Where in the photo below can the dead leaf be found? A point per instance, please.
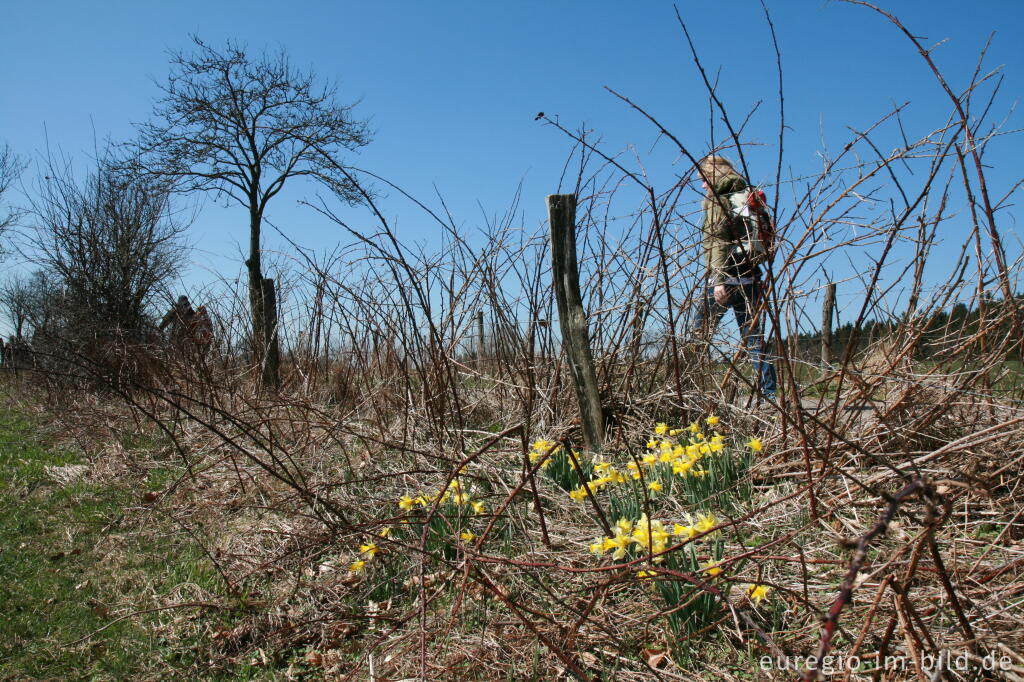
(314, 658)
(656, 657)
(150, 497)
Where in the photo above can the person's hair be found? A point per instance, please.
(715, 168)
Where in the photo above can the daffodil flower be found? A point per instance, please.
(685, 531)
(655, 486)
(712, 568)
(705, 522)
(357, 566)
(757, 593)
(712, 420)
(755, 444)
(467, 536)
(405, 503)
(661, 428)
(368, 550)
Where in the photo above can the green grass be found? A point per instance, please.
(48, 534)
(69, 569)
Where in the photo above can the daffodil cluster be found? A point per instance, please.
(456, 492)
(368, 551)
(543, 447)
(650, 536)
(681, 454)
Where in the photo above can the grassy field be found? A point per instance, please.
(83, 555)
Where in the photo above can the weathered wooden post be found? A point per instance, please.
(565, 277)
(271, 374)
(479, 339)
(826, 323)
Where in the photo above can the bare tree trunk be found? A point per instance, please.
(263, 301)
(566, 280)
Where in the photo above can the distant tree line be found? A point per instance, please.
(941, 333)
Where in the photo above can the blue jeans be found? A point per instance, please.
(745, 300)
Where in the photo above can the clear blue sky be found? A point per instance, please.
(451, 88)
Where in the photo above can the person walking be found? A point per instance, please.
(733, 279)
(179, 318)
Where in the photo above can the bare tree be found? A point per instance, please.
(20, 297)
(11, 167)
(242, 126)
(110, 243)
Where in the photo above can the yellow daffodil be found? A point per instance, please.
(651, 535)
(579, 494)
(651, 444)
(479, 507)
(757, 593)
(655, 486)
(405, 503)
(385, 532)
(542, 446)
(683, 531)
(467, 536)
(368, 550)
(712, 568)
(675, 432)
(645, 574)
(712, 420)
(661, 428)
(681, 467)
(598, 547)
(693, 427)
(357, 566)
(755, 444)
(619, 543)
(705, 522)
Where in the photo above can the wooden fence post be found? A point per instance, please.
(479, 339)
(565, 277)
(271, 374)
(826, 323)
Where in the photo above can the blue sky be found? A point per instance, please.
(451, 88)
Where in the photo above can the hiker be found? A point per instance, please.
(201, 329)
(733, 276)
(179, 318)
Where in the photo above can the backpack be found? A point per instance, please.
(755, 243)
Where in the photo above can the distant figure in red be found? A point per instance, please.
(201, 329)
